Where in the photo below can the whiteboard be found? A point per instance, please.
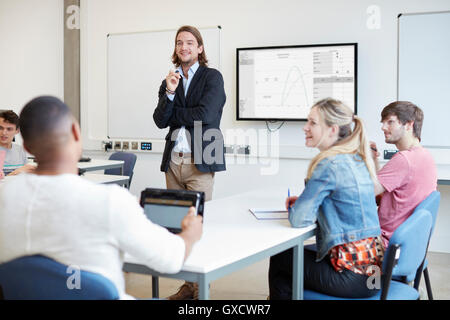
(424, 71)
(137, 64)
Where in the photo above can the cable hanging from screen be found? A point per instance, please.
(271, 129)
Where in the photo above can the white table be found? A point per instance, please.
(233, 239)
(443, 173)
(107, 178)
(94, 177)
(98, 164)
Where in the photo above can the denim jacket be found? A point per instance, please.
(340, 196)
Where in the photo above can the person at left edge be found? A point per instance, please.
(16, 157)
(191, 98)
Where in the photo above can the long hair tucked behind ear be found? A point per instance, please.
(334, 112)
(202, 60)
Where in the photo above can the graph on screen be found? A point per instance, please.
(282, 83)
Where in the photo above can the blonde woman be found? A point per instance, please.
(339, 196)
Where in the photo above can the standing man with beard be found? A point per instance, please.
(191, 100)
(410, 176)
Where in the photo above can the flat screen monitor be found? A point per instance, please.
(283, 83)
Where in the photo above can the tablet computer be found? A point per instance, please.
(168, 207)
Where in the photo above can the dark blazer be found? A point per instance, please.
(204, 102)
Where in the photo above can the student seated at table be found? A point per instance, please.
(56, 213)
(16, 157)
(339, 196)
(411, 175)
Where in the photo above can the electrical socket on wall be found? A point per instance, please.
(243, 150)
(145, 146)
(237, 149)
(388, 154)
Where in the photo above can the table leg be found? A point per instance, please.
(155, 287)
(297, 272)
(203, 288)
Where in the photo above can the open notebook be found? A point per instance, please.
(269, 213)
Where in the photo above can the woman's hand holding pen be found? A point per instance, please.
(290, 202)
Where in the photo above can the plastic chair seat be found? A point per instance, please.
(405, 254)
(41, 278)
(397, 291)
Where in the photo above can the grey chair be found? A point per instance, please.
(128, 166)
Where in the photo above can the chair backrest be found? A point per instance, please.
(41, 278)
(411, 237)
(431, 203)
(128, 166)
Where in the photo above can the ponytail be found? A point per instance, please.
(349, 141)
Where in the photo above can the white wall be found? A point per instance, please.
(247, 24)
(31, 51)
(440, 241)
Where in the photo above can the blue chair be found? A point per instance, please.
(41, 278)
(431, 203)
(128, 166)
(405, 254)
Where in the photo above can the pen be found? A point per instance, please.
(289, 195)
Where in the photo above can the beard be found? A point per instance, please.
(393, 138)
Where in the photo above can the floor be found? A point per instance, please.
(251, 283)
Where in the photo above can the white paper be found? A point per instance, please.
(269, 213)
